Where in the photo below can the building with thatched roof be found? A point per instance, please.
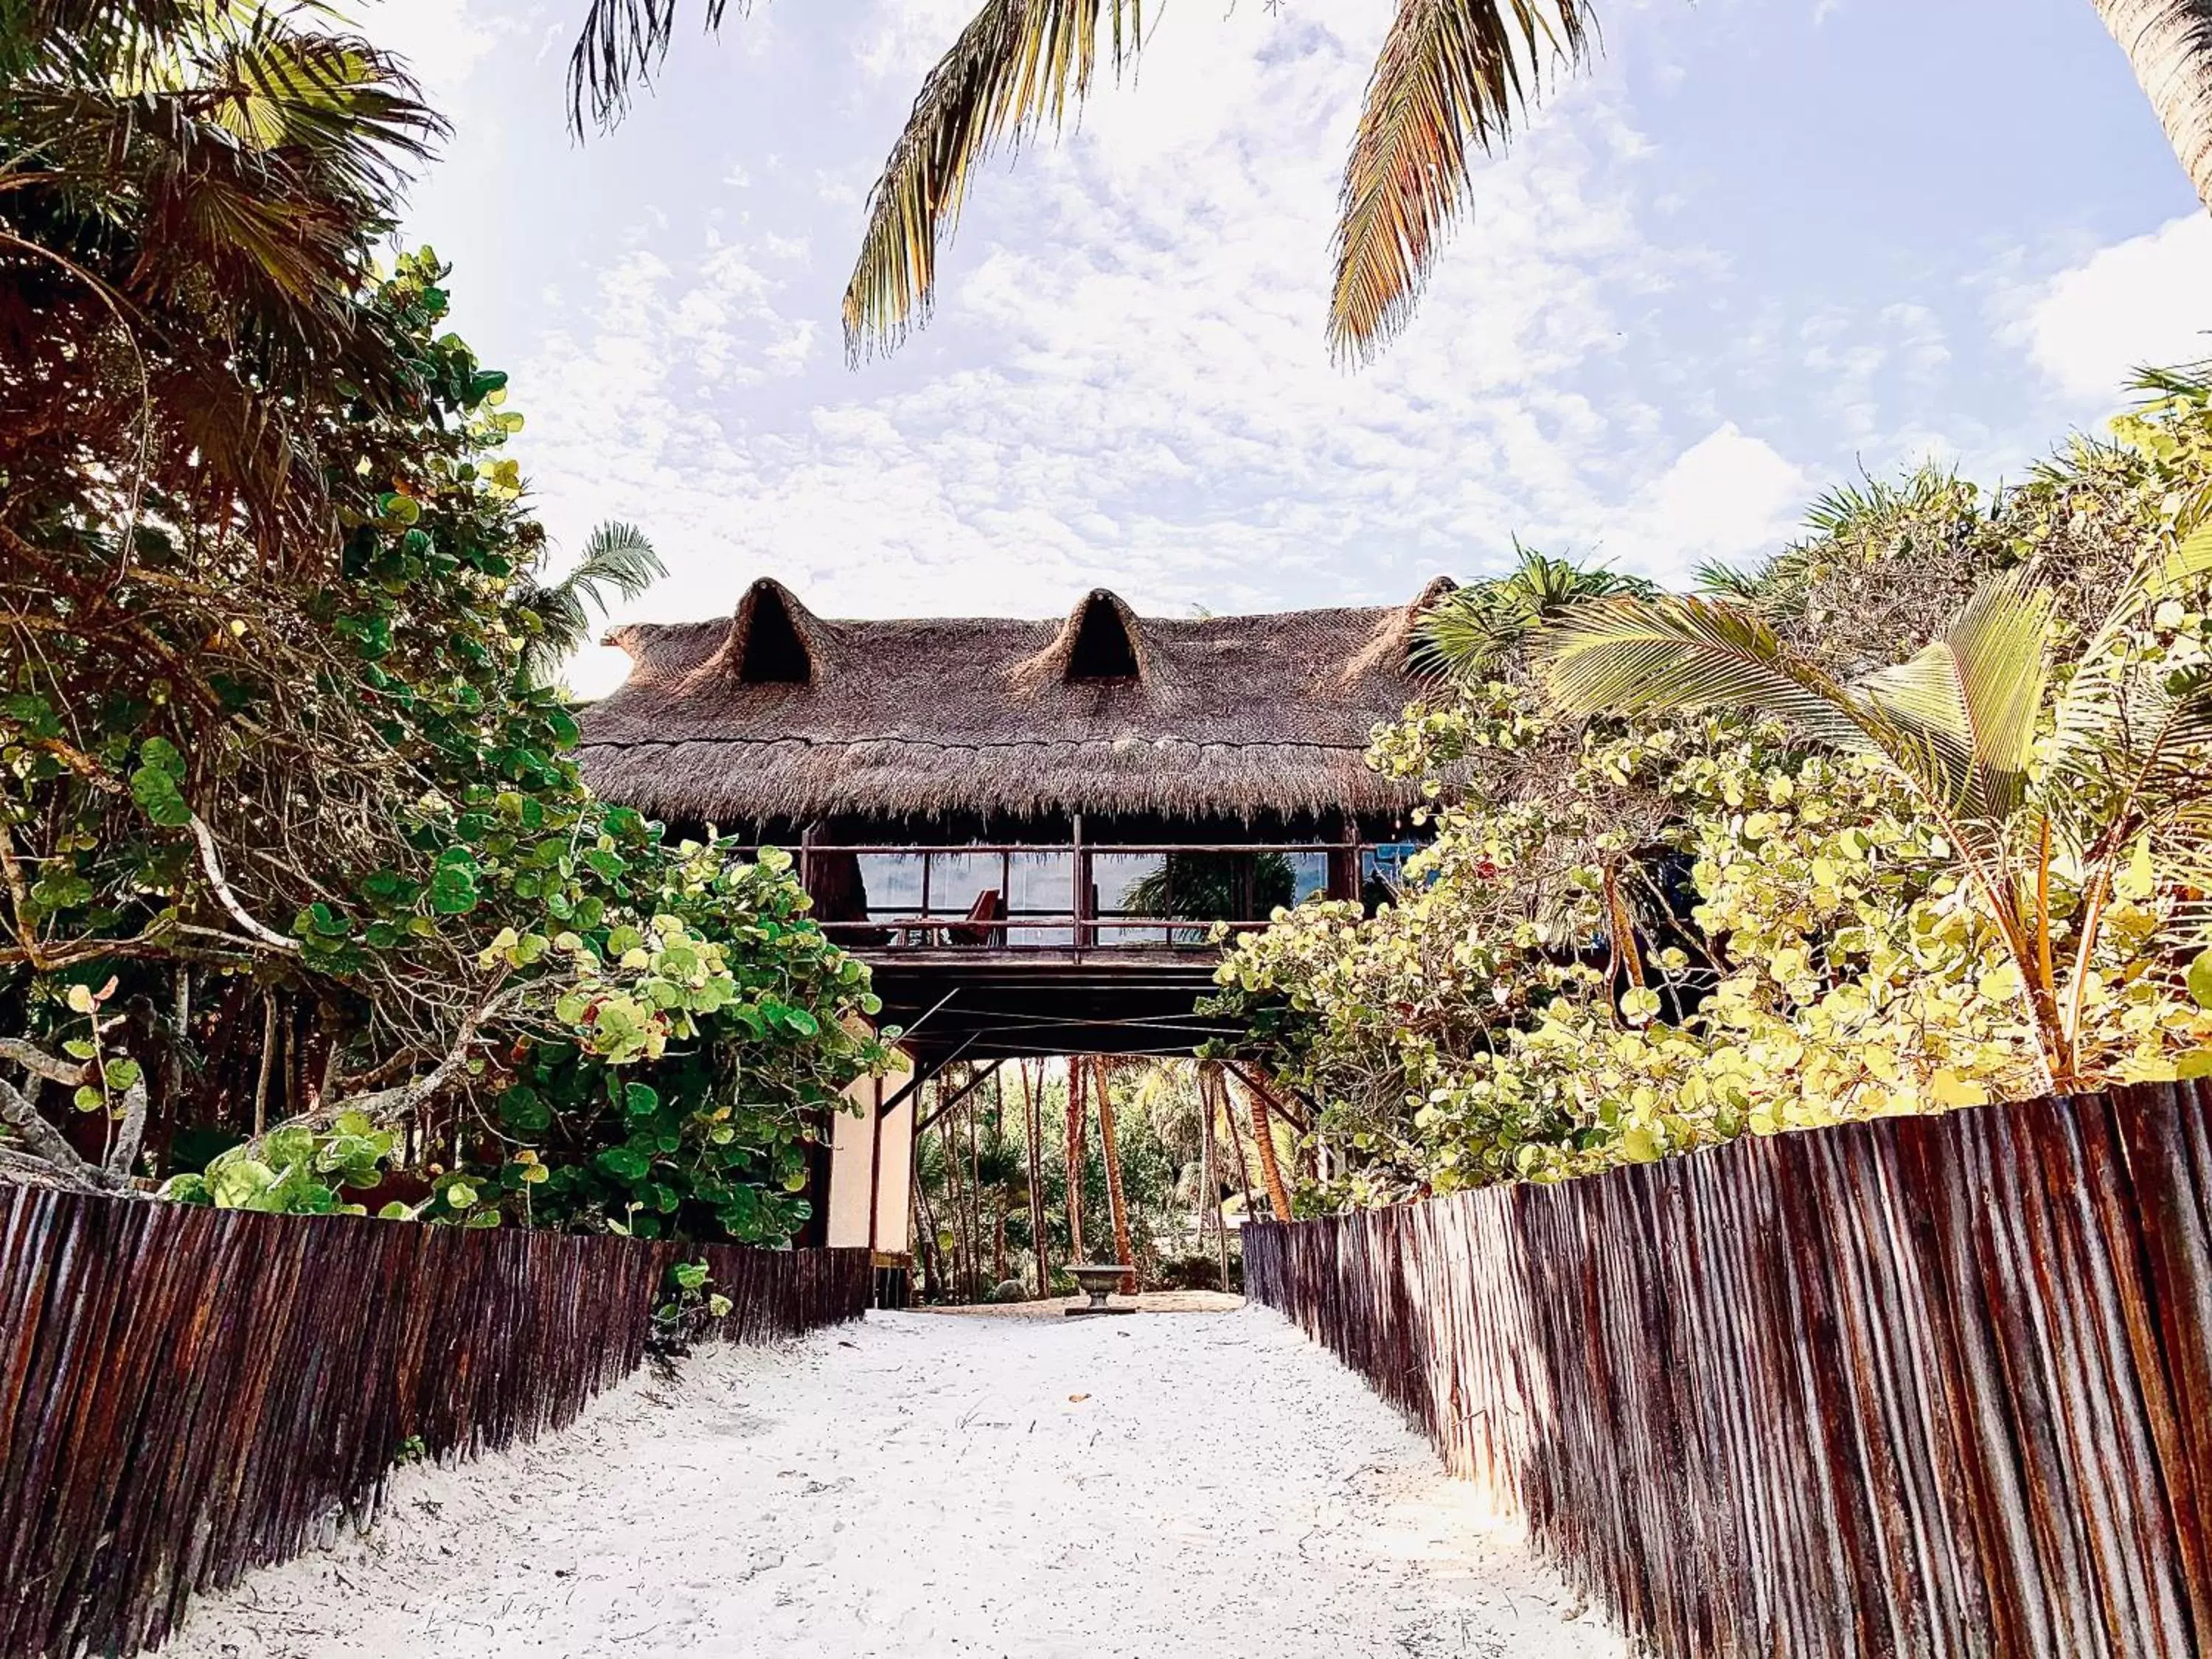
(1029, 830)
(776, 719)
(1040, 821)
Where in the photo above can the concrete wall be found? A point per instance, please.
(872, 1153)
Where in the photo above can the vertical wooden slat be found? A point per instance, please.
(186, 1394)
(1934, 1387)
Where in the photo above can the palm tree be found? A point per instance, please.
(1468, 634)
(616, 557)
(190, 197)
(1453, 78)
(1117, 1203)
(2168, 44)
(2125, 772)
(1033, 1137)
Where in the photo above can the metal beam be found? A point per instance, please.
(923, 1070)
(958, 1094)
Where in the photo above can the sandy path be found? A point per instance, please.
(922, 1485)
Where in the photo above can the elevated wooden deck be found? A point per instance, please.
(994, 950)
(1004, 1004)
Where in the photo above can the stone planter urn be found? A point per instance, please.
(1096, 1278)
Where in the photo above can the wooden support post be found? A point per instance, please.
(1080, 899)
(1344, 861)
(1124, 1252)
(875, 1161)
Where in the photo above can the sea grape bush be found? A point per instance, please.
(1806, 949)
(245, 772)
(296, 1171)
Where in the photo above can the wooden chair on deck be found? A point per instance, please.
(988, 907)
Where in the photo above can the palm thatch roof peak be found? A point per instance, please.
(777, 713)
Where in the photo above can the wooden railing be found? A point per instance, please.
(1047, 895)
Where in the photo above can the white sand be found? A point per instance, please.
(923, 1486)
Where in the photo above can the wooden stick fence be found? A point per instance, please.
(188, 1393)
(1925, 1386)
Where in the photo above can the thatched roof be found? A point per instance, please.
(777, 713)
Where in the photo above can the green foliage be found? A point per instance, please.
(1638, 935)
(1465, 635)
(687, 1309)
(292, 1172)
(617, 558)
(698, 1053)
(400, 838)
(193, 190)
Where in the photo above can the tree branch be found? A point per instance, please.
(46, 1144)
(383, 1103)
(22, 1169)
(212, 863)
(122, 1157)
(34, 1058)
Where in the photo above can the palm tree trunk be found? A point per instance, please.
(1033, 1127)
(1236, 1144)
(1209, 1169)
(1262, 1131)
(999, 1239)
(932, 1273)
(2168, 44)
(1074, 1145)
(954, 1215)
(974, 1204)
(1123, 1252)
(1000, 1189)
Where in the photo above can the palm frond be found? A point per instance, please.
(1452, 78)
(1469, 632)
(617, 555)
(216, 176)
(1626, 656)
(1972, 697)
(617, 558)
(2177, 380)
(2093, 715)
(1017, 65)
(1631, 655)
(1874, 504)
(1725, 581)
(618, 51)
(88, 37)
(2130, 739)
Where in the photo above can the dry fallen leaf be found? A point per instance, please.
(1076, 1399)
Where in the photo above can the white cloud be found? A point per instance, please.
(1729, 496)
(442, 41)
(2144, 301)
(1126, 381)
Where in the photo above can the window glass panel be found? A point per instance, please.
(1309, 876)
(1130, 885)
(893, 883)
(957, 879)
(1387, 864)
(1043, 886)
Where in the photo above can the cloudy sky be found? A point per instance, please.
(1765, 245)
